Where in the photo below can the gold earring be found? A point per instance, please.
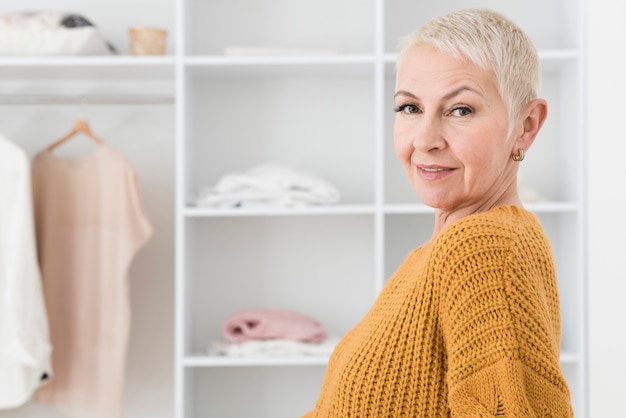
(519, 157)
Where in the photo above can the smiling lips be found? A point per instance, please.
(433, 172)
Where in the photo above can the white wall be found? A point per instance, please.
(607, 200)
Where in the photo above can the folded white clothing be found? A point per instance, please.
(50, 33)
(269, 185)
(271, 348)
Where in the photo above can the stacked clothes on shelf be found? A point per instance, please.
(268, 185)
(272, 332)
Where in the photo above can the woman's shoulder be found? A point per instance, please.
(500, 226)
(500, 218)
(486, 241)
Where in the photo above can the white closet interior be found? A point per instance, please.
(204, 110)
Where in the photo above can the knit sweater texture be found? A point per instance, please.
(468, 326)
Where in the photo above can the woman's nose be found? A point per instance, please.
(428, 135)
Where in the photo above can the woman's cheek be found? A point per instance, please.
(401, 136)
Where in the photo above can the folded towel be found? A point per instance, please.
(268, 185)
(265, 324)
(271, 348)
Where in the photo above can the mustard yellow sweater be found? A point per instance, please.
(468, 326)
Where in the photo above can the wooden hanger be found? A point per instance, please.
(80, 126)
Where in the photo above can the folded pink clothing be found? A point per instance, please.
(265, 324)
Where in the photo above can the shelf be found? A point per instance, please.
(280, 65)
(209, 361)
(88, 67)
(127, 66)
(544, 207)
(570, 358)
(552, 60)
(305, 211)
(85, 99)
(327, 25)
(406, 209)
(213, 361)
(279, 59)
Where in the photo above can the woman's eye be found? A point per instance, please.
(407, 109)
(461, 111)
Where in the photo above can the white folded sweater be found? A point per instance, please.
(269, 185)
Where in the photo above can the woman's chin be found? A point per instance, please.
(434, 201)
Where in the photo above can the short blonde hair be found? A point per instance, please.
(490, 41)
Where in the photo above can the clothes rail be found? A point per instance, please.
(89, 99)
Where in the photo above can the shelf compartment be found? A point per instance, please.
(112, 19)
(403, 233)
(556, 27)
(308, 264)
(260, 391)
(212, 27)
(234, 124)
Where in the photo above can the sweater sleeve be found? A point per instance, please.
(501, 343)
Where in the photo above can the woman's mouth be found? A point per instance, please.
(433, 172)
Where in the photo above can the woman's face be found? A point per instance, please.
(451, 131)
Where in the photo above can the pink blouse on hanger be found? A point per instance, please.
(90, 222)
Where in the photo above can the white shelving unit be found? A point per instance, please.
(331, 114)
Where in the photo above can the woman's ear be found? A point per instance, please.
(534, 115)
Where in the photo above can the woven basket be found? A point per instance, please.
(147, 41)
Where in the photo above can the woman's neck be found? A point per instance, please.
(444, 219)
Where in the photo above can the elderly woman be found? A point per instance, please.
(469, 325)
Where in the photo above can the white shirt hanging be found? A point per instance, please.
(24, 340)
